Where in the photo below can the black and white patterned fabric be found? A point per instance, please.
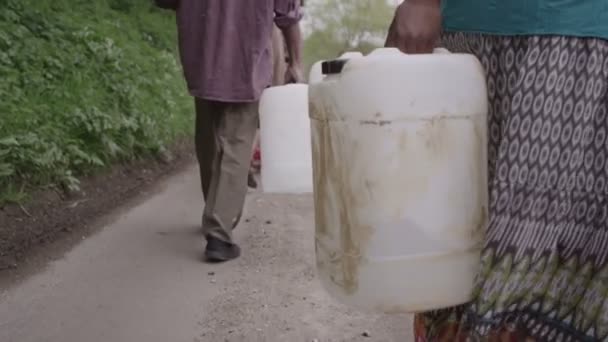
(544, 270)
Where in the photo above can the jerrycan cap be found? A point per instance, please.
(333, 67)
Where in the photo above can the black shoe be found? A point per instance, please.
(251, 182)
(221, 251)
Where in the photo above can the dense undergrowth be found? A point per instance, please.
(84, 84)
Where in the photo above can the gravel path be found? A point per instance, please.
(141, 279)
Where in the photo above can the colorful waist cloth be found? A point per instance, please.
(544, 273)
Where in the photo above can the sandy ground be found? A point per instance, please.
(141, 278)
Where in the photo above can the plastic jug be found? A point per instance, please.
(316, 73)
(285, 140)
(400, 179)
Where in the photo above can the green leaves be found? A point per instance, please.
(8, 142)
(85, 84)
(6, 170)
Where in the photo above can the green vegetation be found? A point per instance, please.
(338, 26)
(89, 83)
(85, 83)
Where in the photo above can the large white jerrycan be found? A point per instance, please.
(316, 72)
(285, 140)
(400, 179)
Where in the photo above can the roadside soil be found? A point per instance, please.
(53, 221)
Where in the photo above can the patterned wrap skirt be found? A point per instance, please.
(544, 270)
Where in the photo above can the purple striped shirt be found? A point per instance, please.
(225, 45)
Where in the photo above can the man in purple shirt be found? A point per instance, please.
(226, 54)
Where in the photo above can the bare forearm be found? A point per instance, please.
(293, 40)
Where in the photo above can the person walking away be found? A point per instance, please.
(225, 50)
(544, 267)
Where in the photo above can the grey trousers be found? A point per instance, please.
(224, 138)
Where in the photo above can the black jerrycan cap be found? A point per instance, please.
(334, 66)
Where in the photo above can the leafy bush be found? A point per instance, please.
(85, 83)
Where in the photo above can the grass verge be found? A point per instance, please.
(85, 84)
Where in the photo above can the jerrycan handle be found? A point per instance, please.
(335, 66)
(441, 50)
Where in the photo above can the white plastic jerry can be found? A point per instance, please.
(285, 140)
(400, 178)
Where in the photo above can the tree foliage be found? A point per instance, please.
(338, 26)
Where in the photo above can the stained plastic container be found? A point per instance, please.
(400, 178)
(285, 140)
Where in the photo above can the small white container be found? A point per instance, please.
(285, 140)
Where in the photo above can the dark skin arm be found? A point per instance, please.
(293, 40)
(416, 27)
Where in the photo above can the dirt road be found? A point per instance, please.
(141, 279)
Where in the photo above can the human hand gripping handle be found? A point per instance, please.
(416, 27)
(293, 40)
(294, 74)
